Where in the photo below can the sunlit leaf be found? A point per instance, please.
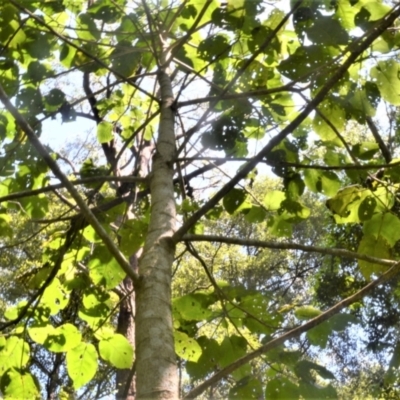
(82, 364)
(117, 351)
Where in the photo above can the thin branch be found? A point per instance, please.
(295, 332)
(288, 246)
(232, 96)
(382, 146)
(295, 165)
(51, 188)
(85, 209)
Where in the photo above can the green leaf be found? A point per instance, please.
(232, 348)
(326, 182)
(303, 60)
(125, 59)
(104, 132)
(39, 44)
(63, 338)
(394, 172)
(214, 46)
(374, 247)
(193, 306)
(387, 76)
(30, 101)
(15, 354)
(133, 234)
(303, 371)
(105, 10)
(104, 269)
(361, 105)
(327, 32)
(39, 332)
(82, 364)
(307, 312)
(345, 205)
(261, 319)
(117, 351)
(367, 208)
(16, 384)
(293, 211)
(256, 214)
(208, 360)
(280, 227)
(333, 120)
(386, 225)
(365, 150)
(281, 389)
(5, 225)
(312, 391)
(55, 297)
(235, 201)
(273, 199)
(186, 347)
(247, 388)
(294, 186)
(87, 28)
(319, 335)
(67, 55)
(376, 10)
(9, 77)
(55, 97)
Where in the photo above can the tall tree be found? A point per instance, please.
(179, 93)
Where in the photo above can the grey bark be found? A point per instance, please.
(157, 376)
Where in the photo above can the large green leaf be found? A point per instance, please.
(281, 389)
(82, 364)
(235, 201)
(247, 388)
(55, 297)
(273, 200)
(193, 306)
(208, 360)
(387, 76)
(63, 338)
(327, 31)
(306, 312)
(104, 269)
(186, 347)
(326, 182)
(16, 384)
(386, 225)
(319, 335)
(104, 132)
(375, 247)
(345, 205)
(117, 351)
(15, 354)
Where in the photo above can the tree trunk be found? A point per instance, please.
(155, 355)
(125, 380)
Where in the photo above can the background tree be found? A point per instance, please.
(188, 101)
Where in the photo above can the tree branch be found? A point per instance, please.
(86, 211)
(295, 332)
(51, 188)
(288, 246)
(320, 96)
(382, 146)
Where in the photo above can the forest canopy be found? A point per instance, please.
(199, 199)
